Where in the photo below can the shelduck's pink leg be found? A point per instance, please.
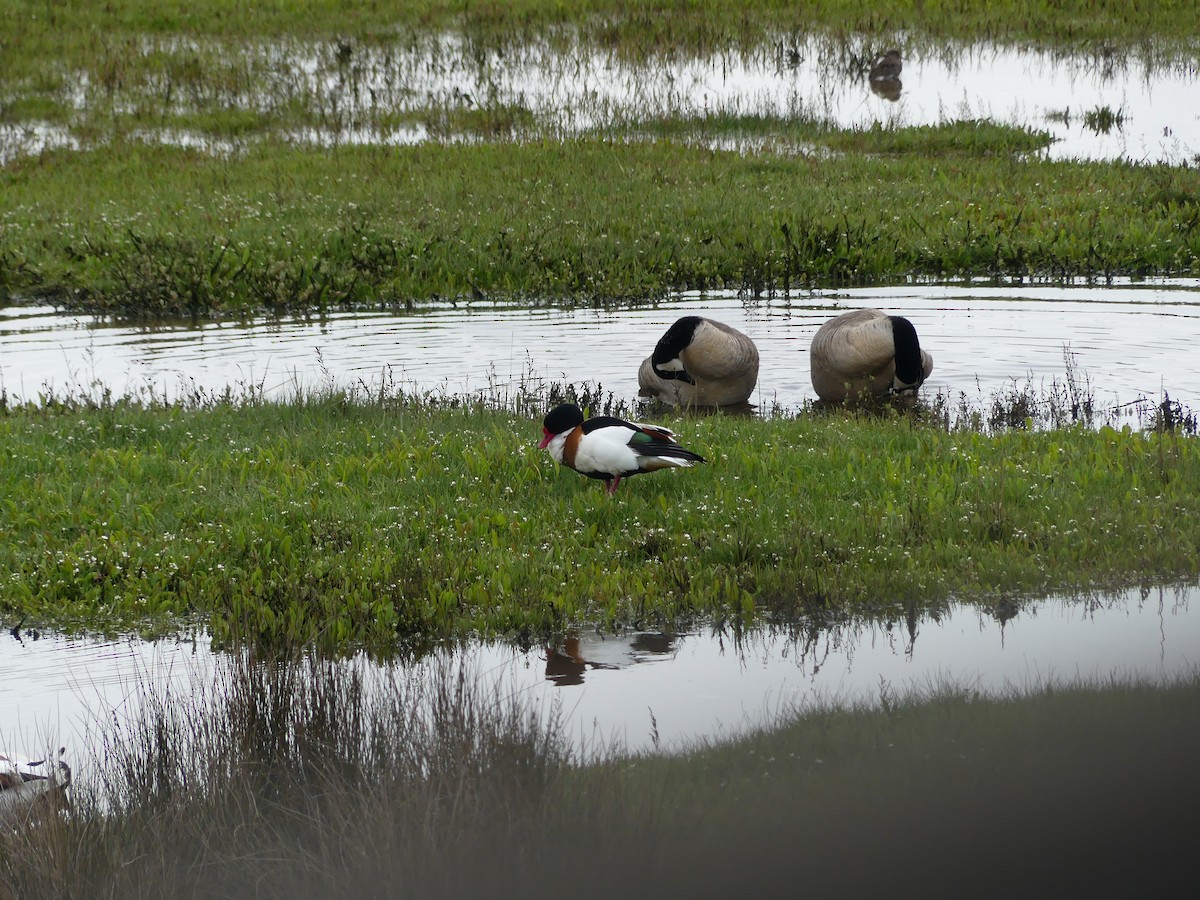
(612, 485)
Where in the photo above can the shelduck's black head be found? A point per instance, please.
(562, 418)
(671, 344)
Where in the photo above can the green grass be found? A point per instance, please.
(318, 780)
(357, 522)
(354, 523)
(345, 523)
(963, 138)
(642, 25)
(967, 138)
(143, 231)
(516, 203)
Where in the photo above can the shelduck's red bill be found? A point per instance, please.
(545, 442)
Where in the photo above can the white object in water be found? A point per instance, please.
(24, 781)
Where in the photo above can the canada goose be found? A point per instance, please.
(887, 67)
(26, 784)
(608, 448)
(866, 352)
(700, 362)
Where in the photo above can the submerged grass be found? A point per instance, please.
(137, 230)
(388, 522)
(286, 779)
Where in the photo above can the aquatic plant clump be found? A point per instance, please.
(389, 523)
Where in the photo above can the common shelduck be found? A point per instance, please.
(24, 781)
(700, 362)
(867, 354)
(608, 448)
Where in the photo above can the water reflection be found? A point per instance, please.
(643, 687)
(569, 661)
(1120, 343)
(396, 94)
(888, 90)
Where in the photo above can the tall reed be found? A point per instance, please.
(289, 778)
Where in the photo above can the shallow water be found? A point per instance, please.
(1120, 343)
(639, 689)
(573, 89)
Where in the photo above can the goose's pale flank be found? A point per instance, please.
(700, 362)
(867, 354)
(609, 448)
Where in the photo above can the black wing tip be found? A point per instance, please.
(670, 451)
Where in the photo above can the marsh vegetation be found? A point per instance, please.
(204, 160)
(305, 160)
(348, 520)
(314, 779)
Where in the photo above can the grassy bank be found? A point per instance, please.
(281, 187)
(314, 781)
(146, 231)
(350, 522)
(38, 28)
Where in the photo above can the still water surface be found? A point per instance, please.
(577, 89)
(583, 89)
(56, 690)
(1122, 343)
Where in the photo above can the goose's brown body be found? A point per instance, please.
(866, 353)
(887, 67)
(700, 362)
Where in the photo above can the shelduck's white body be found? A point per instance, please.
(609, 448)
(23, 782)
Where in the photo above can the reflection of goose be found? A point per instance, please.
(887, 88)
(608, 448)
(867, 352)
(700, 362)
(887, 67)
(23, 782)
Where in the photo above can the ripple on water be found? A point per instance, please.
(1123, 342)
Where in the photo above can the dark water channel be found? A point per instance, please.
(628, 688)
(1120, 343)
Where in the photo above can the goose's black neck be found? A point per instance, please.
(908, 352)
(671, 344)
